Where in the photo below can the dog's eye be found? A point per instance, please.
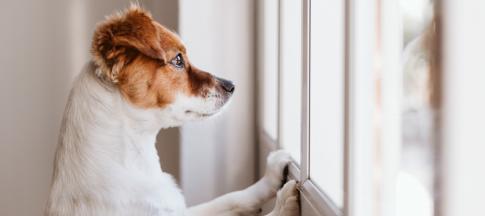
(178, 61)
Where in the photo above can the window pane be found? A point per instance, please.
(270, 68)
(414, 187)
(290, 76)
(327, 97)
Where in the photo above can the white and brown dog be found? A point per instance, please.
(139, 82)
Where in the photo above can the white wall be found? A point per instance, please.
(218, 155)
(43, 46)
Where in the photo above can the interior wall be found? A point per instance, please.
(44, 45)
(218, 154)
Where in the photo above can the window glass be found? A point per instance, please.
(290, 76)
(327, 97)
(270, 68)
(415, 180)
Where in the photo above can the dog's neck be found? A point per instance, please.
(102, 131)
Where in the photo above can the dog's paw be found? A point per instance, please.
(287, 201)
(277, 167)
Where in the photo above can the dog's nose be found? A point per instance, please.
(227, 85)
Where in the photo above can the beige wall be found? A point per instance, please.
(218, 154)
(43, 46)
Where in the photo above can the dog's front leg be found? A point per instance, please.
(286, 201)
(250, 200)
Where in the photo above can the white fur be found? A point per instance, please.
(287, 201)
(106, 163)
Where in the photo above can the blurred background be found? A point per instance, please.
(380, 103)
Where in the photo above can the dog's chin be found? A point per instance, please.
(199, 110)
(194, 114)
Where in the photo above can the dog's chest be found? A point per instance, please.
(161, 197)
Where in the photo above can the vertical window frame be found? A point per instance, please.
(314, 200)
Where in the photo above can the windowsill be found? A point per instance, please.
(313, 200)
(312, 196)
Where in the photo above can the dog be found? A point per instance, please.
(140, 81)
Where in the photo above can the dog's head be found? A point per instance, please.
(150, 67)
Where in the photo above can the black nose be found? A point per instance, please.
(227, 85)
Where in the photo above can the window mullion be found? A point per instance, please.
(305, 102)
(278, 71)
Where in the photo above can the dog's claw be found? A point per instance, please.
(286, 171)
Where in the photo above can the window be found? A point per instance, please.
(290, 70)
(415, 179)
(269, 55)
(327, 94)
(283, 37)
(350, 108)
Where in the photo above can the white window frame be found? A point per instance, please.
(463, 102)
(461, 158)
(313, 200)
(360, 141)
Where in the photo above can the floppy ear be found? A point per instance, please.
(119, 38)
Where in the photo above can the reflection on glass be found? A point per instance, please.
(415, 182)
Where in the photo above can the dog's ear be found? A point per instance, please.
(121, 37)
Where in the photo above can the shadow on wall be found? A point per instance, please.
(44, 46)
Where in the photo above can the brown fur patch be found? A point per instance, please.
(135, 52)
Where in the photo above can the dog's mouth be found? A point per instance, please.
(198, 114)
